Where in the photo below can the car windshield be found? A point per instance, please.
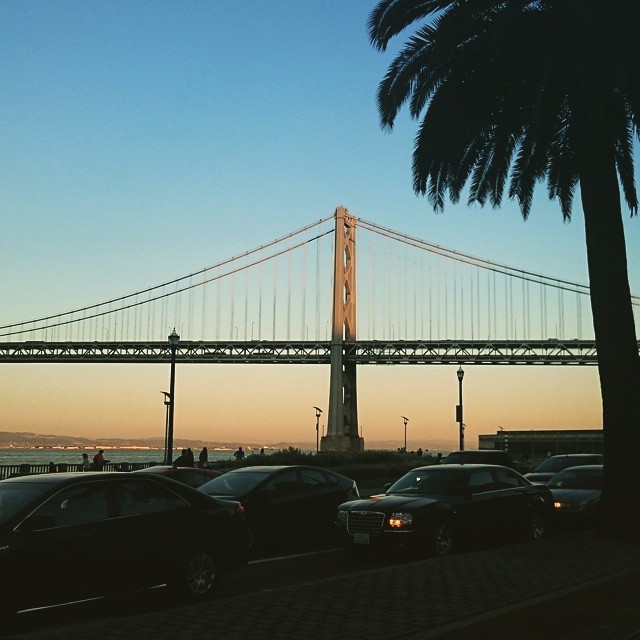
(577, 479)
(438, 482)
(553, 465)
(15, 496)
(234, 483)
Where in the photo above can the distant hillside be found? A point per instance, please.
(25, 440)
(29, 440)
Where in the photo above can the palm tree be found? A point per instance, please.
(521, 91)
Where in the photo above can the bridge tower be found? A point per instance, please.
(342, 429)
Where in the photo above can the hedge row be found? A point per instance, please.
(377, 467)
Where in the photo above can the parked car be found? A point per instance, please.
(430, 509)
(191, 476)
(576, 494)
(547, 469)
(285, 501)
(482, 456)
(73, 536)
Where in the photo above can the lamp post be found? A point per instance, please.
(318, 413)
(167, 402)
(405, 432)
(459, 408)
(174, 339)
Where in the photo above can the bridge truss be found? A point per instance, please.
(377, 352)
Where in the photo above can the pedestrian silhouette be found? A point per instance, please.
(203, 458)
(239, 454)
(182, 460)
(99, 461)
(190, 459)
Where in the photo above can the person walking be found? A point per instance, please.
(203, 458)
(85, 464)
(190, 458)
(239, 454)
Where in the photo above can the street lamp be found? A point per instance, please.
(318, 413)
(459, 408)
(174, 339)
(167, 402)
(405, 432)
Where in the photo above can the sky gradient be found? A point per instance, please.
(144, 140)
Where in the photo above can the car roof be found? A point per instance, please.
(585, 467)
(166, 467)
(577, 455)
(62, 478)
(272, 468)
(489, 451)
(71, 477)
(462, 465)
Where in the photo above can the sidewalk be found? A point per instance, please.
(568, 587)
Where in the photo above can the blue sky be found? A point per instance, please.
(143, 140)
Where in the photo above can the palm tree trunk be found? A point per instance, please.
(616, 342)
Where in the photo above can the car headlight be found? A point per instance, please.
(342, 515)
(398, 520)
(565, 506)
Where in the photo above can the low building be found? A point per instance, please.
(534, 444)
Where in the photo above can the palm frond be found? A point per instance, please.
(390, 17)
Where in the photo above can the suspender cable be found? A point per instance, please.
(260, 305)
(246, 304)
(303, 289)
(289, 297)
(275, 290)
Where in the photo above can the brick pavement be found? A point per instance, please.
(394, 602)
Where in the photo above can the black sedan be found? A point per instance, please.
(432, 508)
(76, 536)
(285, 501)
(576, 494)
(191, 476)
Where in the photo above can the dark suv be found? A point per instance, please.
(547, 469)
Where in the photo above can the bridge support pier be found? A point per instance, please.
(342, 428)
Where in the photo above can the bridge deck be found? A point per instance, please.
(378, 352)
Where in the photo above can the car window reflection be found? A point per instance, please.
(76, 505)
(442, 482)
(136, 498)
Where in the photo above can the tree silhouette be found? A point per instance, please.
(521, 91)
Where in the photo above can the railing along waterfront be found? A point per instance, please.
(14, 470)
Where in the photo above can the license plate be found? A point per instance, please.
(361, 538)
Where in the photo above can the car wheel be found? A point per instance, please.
(198, 575)
(536, 525)
(440, 540)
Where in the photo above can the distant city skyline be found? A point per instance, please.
(145, 140)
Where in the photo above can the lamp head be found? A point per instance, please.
(318, 411)
(405, 419)
(174, 338)
(460, 373)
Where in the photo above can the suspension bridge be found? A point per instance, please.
(305, 299)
